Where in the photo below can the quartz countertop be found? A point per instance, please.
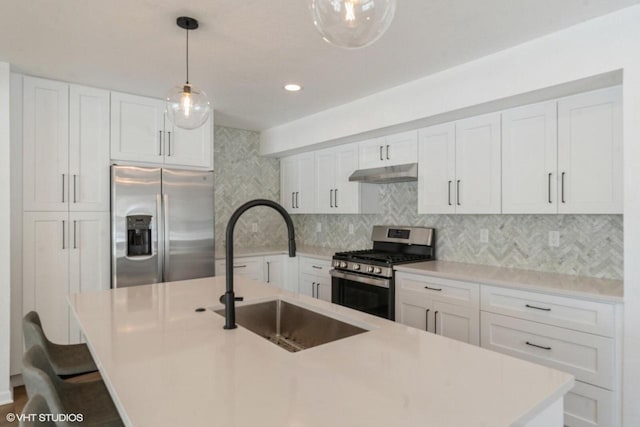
(301, 250)
(167, 365)
(605, 290)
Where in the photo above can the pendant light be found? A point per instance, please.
(187, 106)
(352, 24)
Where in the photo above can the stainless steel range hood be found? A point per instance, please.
(387, 174)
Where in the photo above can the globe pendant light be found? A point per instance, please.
(187, 106)
(352, 24)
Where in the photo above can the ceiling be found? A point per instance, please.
(246, 50)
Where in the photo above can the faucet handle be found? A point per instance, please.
(222, 298)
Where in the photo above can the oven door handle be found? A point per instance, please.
(375, 281)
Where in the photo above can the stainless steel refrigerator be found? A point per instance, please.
(161, 225)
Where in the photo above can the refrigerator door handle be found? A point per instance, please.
(159, 239)
(167, 249)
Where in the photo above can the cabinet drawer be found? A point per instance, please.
(314, 266)
(589, 357)
(585, 316)
(246, 267)
(588, 406)
(439, 289)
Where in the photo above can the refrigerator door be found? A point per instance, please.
(136, 225)
(188, 226)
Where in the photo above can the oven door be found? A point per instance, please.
(373, 295)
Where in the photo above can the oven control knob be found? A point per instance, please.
(377, 270)
(356, 266)
(369, 269)
(336, 263)
(343, 264)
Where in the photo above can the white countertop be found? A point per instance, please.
(604, 290)
(319, 252)
(167, 365)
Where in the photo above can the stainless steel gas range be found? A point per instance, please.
(364, 280)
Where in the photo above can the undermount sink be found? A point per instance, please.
(291, 326)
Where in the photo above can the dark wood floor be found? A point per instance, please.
(20, 399)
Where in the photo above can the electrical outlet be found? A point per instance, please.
(254, 227)
(484, 235)
(554, 239)
(319, 227)
(350, 228)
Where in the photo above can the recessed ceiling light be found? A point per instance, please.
(292, 87)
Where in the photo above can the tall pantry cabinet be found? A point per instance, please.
(65, 189)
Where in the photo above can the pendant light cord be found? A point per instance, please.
(187, 56)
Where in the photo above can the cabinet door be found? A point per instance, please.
(88, 149)
(478, 165)
(189, 147)
(46, 271)
(289, 183)
(307, 285)
(590, 152)
(137, 125)
(325, 181)
(306, 183)
(89, 261)
(437, 169)
(457, 322)
(346, 197)
(323, 288)
(274, 271)
(414, 314)
(401, 148)
(46, 145)
(530, 159)
(371, 153)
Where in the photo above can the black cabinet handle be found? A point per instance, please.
(313, 289)
(433, 289)
(63, 234)
(549, 188)
(458, 192)
(63, 189)
(297, 204)
(435, 322)
(335, 198)
(381, 153)
(159, 143)
(239, 266)
(292, 205)
(169, 142)
(75, 243)
(330, 198)
(537, 308)
(426, 328)
(537, 346)
(388, 153)
(562, 186)
(316, 267)
(74, 189)
(449, 192)
(268, 272)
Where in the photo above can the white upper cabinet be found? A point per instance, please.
(88, 149)
(530, 159)
(590, 152)
(297, 183)
(140, 132)
(437, 169)
(189, 147)
(478, 165)
(137, 127)
(325, 181)
(392, 150)
(46, 145)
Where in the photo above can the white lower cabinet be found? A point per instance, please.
(567, 334)
(274, 270)
(315, 280)
(251, 267)
(63, 253)
(444, 307)
(279, 270)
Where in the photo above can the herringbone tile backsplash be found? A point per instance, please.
(590, 245)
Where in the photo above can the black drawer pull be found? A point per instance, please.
(538, 346)
(537, 308)
(433, 289)
(316, 267)
(239, 266)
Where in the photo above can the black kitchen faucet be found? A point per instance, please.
(229, 299)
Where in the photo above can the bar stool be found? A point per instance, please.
(66, 360)
(36, 406)
(91, 399)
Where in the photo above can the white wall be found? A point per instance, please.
(599, 46)
(5, 227)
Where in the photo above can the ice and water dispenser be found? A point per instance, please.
(138, 235)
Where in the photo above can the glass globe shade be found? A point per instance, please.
(352, 24)
(187, 106)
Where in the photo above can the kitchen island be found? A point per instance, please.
(166, 364)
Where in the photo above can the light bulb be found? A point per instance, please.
(187, 106)
(352, 24)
